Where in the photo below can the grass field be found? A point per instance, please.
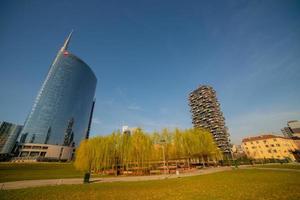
(281, 166)
(26, 171)
(237, 184)
(32, 171)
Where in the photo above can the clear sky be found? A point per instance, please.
(148, 56)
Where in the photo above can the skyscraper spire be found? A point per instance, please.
(66, 44)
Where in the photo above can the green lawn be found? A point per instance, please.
(230, 185)
(285, 165)
(30, 171)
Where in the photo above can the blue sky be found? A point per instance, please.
(148, 56)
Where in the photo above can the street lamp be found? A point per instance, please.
(162, 142)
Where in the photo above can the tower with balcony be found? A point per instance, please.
(207, 114)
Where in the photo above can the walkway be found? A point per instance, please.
(70, 181)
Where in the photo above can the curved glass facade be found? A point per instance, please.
(61, 111)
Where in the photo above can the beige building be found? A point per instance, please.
(269, 147)
(40, 152)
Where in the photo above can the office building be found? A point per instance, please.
(8, 136)
(269, 147)
(206, 113)
(62, 110)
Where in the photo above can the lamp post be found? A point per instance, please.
(162, 142)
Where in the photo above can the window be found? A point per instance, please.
(267, 145)
(274, 151)
(34, 154)
(257, 142)
(43, 154)
(272, 145)
(24, 154)
(278, 145)
(265, 141)
(274, 140)
(269, 151)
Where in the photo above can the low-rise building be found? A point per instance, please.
(269, 147)
(29, 152)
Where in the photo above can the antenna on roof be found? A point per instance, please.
(66, 44)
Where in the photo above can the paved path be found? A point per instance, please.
(70, 181)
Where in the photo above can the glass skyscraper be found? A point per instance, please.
(61, 112)
(8, 135)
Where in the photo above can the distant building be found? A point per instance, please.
(269, 147)
(207, 114)
(237, 151)
(127, 130)
(62, 112)
(287, 132)
(292, 129)
(8, 136)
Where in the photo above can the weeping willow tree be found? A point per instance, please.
(140, 150)
(85, 156)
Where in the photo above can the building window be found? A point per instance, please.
(272, 145)
(267, 145)
(43, 154)
(24, 154)
(34, 154)
(278, 145)
(274, 151)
